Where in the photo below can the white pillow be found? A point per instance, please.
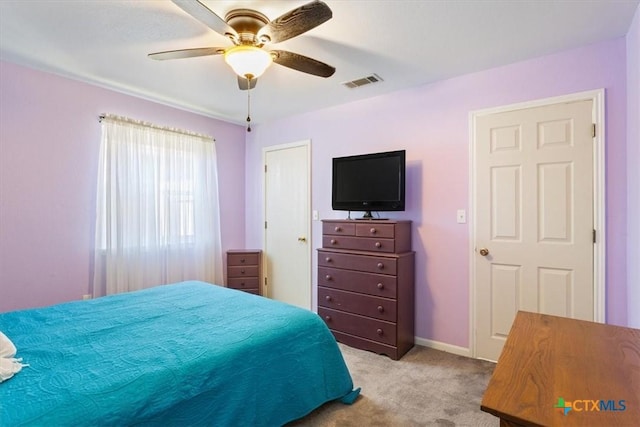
(9, 366)
(7, 349)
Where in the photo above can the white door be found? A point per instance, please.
(534, 217)
(287, 223)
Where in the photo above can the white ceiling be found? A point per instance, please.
(406, 43)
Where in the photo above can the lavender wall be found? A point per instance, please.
(431, 123)
(49, 142)
(633, 179)
(49, 138)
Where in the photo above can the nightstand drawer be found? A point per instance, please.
(242, 259)
(243, 283)
(242, 271)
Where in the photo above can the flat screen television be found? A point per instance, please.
(369, 182)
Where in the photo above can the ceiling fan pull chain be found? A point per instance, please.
(248, 104)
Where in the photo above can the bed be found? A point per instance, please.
(190, 353)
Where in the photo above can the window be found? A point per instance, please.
(157, 216)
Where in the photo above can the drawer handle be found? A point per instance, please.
(380, 266)
(333, 241)
(373, 231)
(338, 229)
(378, 245)
(380, 286)
(328, 259)
(379, 331)
(327, 318)
(242, 271)
(242, 260)
(380, 309)
(242, 284)
(328, 277)
(328, 298)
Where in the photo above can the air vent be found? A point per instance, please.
(363, 81)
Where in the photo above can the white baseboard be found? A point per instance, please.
(449, 348)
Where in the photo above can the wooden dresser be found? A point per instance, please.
(243, 270)
(366, 284)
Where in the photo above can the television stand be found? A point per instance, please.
(371, 219)
(367, 217)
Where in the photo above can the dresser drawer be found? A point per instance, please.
(242, 259)
(368, 263)
(339, 228)
(359, 243)
(373, 329)
(366, 305)
(242, 271)
(376, 230)
(365, 344)
(243, 283)
(355, 281)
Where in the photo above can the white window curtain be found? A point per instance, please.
(157, 214)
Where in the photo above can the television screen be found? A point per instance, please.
(369, 182)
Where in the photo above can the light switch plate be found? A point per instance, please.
(461, 216)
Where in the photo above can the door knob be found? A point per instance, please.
(302, 239)
(484, 251)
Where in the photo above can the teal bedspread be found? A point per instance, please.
(184, 354)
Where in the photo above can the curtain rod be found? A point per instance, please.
(123, 119)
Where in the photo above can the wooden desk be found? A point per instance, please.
(590, 365)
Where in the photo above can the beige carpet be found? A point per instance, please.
(425, 388)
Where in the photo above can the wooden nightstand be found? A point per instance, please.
(243, 270)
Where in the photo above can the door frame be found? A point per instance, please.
(599, 198)
(264, 287)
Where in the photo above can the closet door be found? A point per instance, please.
(287, 257)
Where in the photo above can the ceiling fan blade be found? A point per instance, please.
(295, 22)
(187, 53)
(302, 63)
(243, 83)
(202, 13)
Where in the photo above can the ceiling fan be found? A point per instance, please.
(250, 31)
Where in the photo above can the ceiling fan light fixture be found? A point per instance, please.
(248, 61)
